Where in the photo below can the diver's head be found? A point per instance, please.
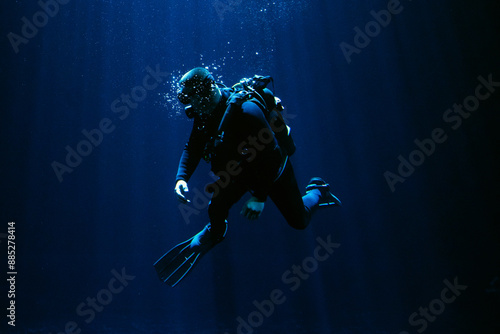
(199, 92)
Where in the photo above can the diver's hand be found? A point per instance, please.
(252, 208)
(181, 190)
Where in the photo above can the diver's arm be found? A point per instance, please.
(191, 156)
(252, 124)
(267, 158)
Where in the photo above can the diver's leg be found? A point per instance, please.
(179, 261)
(218, 208)
(295, 208)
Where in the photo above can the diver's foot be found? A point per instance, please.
(327, 198)
(206, 239)
(203, 241)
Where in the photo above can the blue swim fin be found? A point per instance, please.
(175, 264)
(327, 198)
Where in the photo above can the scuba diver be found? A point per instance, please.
(242, 132)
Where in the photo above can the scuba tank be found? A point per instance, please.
(255, 90)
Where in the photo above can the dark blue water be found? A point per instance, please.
(394, 103)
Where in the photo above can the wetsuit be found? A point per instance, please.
(247, 149)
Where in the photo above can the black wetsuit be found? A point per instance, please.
(250, 155)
